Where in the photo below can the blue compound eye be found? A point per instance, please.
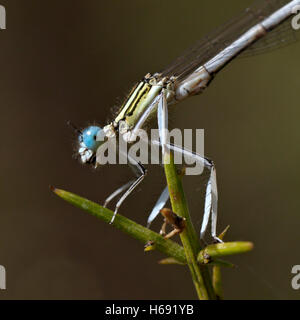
(89, 137)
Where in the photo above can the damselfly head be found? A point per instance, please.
(90, 140)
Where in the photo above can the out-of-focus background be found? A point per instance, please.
(75, 60)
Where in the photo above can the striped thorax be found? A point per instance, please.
(137, 102)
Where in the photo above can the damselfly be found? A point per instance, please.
(266, 24)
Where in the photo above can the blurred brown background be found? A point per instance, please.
(75, 60)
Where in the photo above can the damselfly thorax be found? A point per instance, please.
(141, 97)
(144, 94)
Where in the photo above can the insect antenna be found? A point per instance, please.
(74, 127)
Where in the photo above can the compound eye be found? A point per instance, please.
(89, 137)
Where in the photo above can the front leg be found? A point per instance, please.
(142, 173)
(117, 192)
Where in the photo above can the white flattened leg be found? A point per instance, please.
(136, 171)
(117, 192)
(135, 183)
(164, 197)
(162, 117)
(214, 205)
(211, 196)
(211, 205)
(207, 209)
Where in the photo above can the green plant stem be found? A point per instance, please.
(135, 230)
(200, 274)
(217, 282)
(223, 249)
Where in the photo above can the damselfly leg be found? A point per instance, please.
(130, 185)
(211, 197)
(161, 202)
(117, 192)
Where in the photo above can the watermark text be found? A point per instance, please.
(145, 150)
(2, 278)
(296, 279)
